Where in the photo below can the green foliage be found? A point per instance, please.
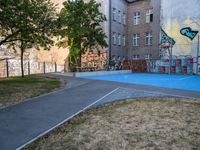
(27, 23)
(81, 23)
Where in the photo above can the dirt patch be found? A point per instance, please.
(17, 89)
(148, 123)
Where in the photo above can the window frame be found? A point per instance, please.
(119, 42)
(136, 39)
(114, 39)
(136, 18)
(149, 15)
(149, 39)
(123, 40)
(119, 16)
(124, 18)
(114, 14)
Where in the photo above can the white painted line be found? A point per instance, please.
(40, 135)
(186, 78)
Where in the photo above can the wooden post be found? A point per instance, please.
(44, 67)
(7, 69)
(55, 67)
(28, 68)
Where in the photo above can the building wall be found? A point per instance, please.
(105, 10)
(142, 6)
(176, 14)
(119, 5)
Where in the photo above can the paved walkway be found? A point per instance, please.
(22, 123)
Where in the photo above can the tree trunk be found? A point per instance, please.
(22, 59)
(80, 55)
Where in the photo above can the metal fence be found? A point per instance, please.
(12, 67)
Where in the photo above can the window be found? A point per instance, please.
(149, 38)
(124, 19)
(148, 56)
(124, 40)
(136, 56)
(136, 39)
(119, 39)
(149, 16)
(136, 18)
(119, 16)
(114, 14)
(114, 38)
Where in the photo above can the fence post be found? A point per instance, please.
(44, 67)
(7, 69)
(28, 68)
(55, 67)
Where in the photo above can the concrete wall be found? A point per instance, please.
(142, 6)
(101, 73)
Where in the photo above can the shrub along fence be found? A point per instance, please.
(12, 67)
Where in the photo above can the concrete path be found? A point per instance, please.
(22, 123)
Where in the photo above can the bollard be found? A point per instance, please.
(28, 68)
(55, 67)
(7, 69)
(44, 67)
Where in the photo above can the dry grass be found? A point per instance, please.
(142, 124)
(16, 89)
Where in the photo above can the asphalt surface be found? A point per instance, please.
(23, 122)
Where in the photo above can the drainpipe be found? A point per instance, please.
(110, 36)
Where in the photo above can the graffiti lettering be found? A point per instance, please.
(188, 32)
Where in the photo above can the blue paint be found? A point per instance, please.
(183, 82)
(188, 32)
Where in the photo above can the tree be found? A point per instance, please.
(26, 24)
(81, 23)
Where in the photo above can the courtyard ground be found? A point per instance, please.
(16, 89)
(143, 123)
(25, 122)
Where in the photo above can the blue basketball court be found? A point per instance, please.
(182, 82)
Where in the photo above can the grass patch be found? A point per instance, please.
(16, 89)
(147, 123)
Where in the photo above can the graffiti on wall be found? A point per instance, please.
(14, 67)
(95, 59)
(175, 16)
(165, 42)
(188, 32)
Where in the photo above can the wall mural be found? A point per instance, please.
(175, 16)
(188, 32)
(165, 42)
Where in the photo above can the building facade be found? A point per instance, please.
(143, 29)
(133, 28)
